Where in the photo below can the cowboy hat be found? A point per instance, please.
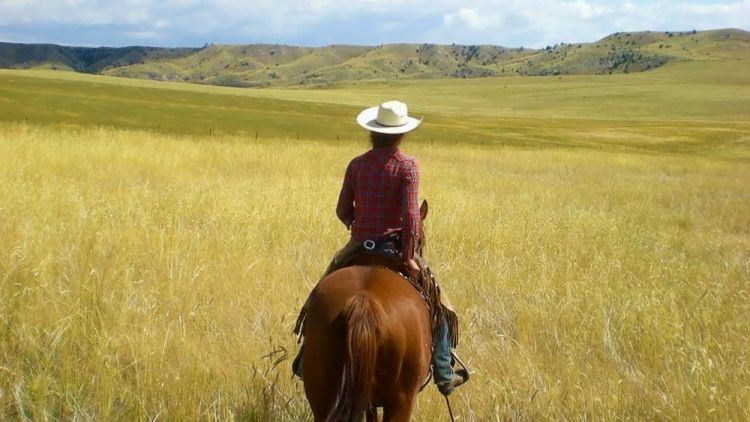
(390, 117)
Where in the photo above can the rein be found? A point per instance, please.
(450, 411)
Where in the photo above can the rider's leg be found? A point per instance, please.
(445, 378)
(441, 354)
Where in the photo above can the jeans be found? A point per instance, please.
(441, 354)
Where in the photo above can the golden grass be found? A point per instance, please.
(147, 276)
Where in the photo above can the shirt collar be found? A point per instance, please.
(387, 152)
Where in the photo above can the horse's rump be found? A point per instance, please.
(367, 340)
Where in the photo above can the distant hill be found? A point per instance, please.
(83, 59)
(261, 65)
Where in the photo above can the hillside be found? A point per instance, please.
(261, 65)
(83, 59)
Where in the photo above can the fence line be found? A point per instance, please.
(497, 142)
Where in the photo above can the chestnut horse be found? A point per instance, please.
(368, 342)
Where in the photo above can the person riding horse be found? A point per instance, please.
(378, 203)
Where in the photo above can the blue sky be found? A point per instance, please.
(190, 23)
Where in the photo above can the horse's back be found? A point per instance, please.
(334, 290)
(402, 304)
(403, 351)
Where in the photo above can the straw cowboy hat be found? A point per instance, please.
(390, 117)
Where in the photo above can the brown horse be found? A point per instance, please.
(368, 343)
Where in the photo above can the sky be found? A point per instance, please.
(193, 23)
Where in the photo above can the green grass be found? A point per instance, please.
(83, 103)
(687, 107)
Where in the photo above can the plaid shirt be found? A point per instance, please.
(380, 196)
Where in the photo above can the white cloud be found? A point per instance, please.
(587, 10)
(534, 23)
(146, 35)
(537, 23)
(531, 23)
(470, 19)
(742, 7)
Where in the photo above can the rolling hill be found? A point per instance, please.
(261, 65)
(83, 59)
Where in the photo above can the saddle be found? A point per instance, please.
(385, 253)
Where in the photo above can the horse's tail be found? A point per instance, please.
(364, 318)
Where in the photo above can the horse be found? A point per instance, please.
(368, 343)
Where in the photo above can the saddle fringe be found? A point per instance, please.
(429, 288)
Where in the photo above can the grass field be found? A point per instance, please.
(687, 107)
(155, 273)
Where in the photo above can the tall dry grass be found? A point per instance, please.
(146, 276)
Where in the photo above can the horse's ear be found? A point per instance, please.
(423, 209)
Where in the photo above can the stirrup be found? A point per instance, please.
(464, 370)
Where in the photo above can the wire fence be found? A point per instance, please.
(539, 144)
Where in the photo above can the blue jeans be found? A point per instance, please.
(441, 354)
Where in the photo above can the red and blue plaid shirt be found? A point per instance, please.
(380, 196)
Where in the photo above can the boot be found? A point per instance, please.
(447, 387)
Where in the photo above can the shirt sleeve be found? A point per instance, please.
(410, 211)
(345, 206)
